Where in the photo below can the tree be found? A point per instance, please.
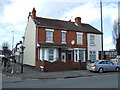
(5, 49)
(116, 35)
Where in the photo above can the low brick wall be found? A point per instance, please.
(62, 66)
(57, 66)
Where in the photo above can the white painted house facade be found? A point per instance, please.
(94, 46)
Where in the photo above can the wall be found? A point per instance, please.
(30, 43)
(72, 35)
(62, 66)
(57, 37)
(97, 47)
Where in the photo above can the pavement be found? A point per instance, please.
(32, 73)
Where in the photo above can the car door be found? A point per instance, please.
(103, 65)
(111, 66)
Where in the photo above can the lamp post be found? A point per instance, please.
(22, 51)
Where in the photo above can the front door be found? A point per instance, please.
(63, 56)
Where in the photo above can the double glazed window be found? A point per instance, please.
(92, 40)
(49, 35)
(79, 38)
(79, 55)
(92, 55)
(63, 36)
(51, 54)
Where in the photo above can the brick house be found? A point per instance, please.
(54, 45)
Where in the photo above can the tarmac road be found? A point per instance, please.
(98, 81)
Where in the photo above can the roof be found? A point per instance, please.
(65, 25)
(56, 45)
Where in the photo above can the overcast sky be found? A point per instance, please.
(14, 13)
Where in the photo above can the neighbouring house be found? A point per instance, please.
(109, 54)
(54, 45)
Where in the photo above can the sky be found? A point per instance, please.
(14, 13)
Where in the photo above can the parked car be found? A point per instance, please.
(116, 61)
(103, 65)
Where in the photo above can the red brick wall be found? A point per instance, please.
(58, 66)
(57, 37)
(41, 34)
(62, 66)
(71, 35)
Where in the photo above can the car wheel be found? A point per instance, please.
(100, 70)
(117, 69)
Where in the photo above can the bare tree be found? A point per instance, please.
(5, 49)
(116, 30)
(116, 35)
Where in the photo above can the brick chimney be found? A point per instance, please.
(33, 13)
(78, 21)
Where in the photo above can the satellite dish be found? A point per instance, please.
(73, 42)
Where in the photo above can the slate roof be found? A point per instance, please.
(56, 45)
(65, 25)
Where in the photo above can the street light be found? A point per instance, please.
(22, 51)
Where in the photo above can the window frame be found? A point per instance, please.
(93, 55)
(92, 39)
(79, 38)
(49, 54)
(63, 37)
(49, 36)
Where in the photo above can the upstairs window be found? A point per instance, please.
(92, 40)
(63, 36)
(79, 38)
(49, 35)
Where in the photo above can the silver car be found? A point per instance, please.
(103, 65)
(116, 61)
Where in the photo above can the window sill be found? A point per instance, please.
(63, 42)
(49, 42)
(92, 45)
(80, 44)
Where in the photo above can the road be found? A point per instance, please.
(99, 81)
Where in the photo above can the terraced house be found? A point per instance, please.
(53, 45)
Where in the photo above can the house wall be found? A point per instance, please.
(97, 47)
(57, 37)
(30, 43)
(72, 35)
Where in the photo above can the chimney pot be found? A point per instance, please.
(78, 20)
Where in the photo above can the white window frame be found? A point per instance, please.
(50, 54)
(83, 52)
(63, 38)
(92, 54)
(41, 54)
(79, 38)
(49, 30)
(77, 51)
(92, 39)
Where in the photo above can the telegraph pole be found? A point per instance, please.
(101, 27)
(13, 52)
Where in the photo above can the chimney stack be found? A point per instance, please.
(78, 20)
(33, 13)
